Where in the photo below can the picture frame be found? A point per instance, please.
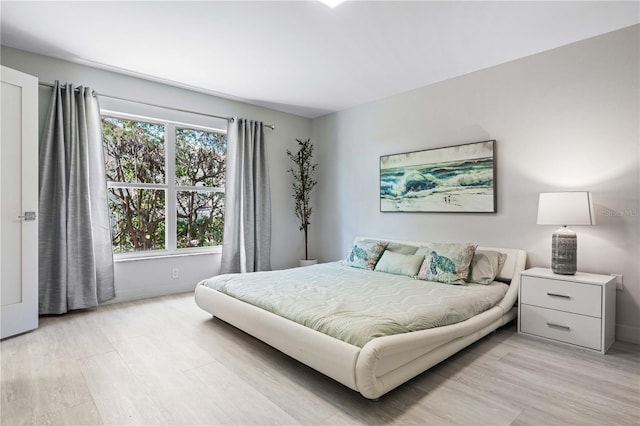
(452, 179)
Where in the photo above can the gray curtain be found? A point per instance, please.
(247, 216)
(75, 256)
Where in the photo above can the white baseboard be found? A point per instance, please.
(146, 293)
(628, 334)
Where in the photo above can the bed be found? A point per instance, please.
(369, 359)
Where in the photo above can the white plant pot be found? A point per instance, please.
(308, 262)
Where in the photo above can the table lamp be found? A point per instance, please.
(565, 208)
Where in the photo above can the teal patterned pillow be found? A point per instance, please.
(446, 262)
(365, 254)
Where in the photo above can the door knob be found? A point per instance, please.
(28, 216)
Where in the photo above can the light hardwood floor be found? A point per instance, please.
(164, 361)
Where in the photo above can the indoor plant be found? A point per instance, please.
(303, 172)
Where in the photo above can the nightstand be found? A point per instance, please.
(578, 310)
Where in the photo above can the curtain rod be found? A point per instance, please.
(229, 119)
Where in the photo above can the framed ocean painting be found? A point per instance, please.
(457, 178)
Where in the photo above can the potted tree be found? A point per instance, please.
(303, 172)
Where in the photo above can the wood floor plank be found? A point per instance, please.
(15, 367)
(82, 414)
(584, 381)
(165, 361)
(183, 400)
(443, 398)
(48, 340)
(60, 384)
(17, 412)
(83, 336)
(118, 395)
(126, 320)
(169, 353)
(242, 402)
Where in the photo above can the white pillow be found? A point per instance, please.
(399, 264)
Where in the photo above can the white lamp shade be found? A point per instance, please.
(565, 208)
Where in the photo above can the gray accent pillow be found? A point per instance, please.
(365, 254)
(401, 248)
(446, 262)
(485, 266)
(399, 264)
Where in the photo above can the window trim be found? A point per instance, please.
(170, 238)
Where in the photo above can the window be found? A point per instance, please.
(166, 184)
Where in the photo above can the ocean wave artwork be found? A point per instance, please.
(451, 179)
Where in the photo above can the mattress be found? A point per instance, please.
(356, 305)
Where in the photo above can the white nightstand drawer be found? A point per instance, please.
(562, 326)
(566, 296)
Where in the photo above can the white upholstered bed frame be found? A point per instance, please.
(384, 362)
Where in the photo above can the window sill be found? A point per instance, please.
(164, 255)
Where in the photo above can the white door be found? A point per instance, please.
(18, 203)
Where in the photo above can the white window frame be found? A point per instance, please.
(170, 188)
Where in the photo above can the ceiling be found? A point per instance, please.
(302, 56)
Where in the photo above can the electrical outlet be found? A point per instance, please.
(618, 281)
(175, 273)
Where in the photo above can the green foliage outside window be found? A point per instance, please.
(137, 219)
(200, 218)
(135, 153)
(200, 162)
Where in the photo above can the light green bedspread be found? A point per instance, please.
(356, 305)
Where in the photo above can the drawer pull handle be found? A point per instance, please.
(554, 325)
(564, 296)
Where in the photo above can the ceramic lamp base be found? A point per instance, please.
(564, 245)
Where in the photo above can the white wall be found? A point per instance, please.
(566, 119)
(152, 277)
